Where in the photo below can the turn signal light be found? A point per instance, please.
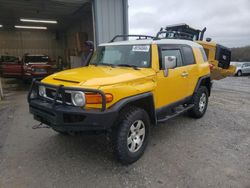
(94, 98)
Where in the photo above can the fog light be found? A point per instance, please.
(42, 91)
(78, 98)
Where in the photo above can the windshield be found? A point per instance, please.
(36, 59)
(122, 55)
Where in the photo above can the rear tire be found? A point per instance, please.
(239, 73)
(131, 135)
(200, 101)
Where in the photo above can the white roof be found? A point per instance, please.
(150, 41)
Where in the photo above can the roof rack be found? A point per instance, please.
(140, 37)
(181, 31)
(174, 35)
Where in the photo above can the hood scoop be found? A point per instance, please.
(63, 80)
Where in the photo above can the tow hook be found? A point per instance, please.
(40, 126)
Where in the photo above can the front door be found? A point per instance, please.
(173, 87)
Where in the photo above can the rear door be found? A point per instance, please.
(191, 68)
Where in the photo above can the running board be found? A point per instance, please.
(177, 112)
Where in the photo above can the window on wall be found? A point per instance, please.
(188, 55)
(171, 52)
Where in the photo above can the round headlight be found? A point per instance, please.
(42, 91)
(78, 98)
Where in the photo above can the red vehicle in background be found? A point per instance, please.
(10, 66)
(31, 66)
(37, 66)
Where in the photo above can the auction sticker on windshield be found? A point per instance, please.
(144, 48)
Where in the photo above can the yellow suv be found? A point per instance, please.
(127, 87)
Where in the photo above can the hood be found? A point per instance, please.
(98, 76)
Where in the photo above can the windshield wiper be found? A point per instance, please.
(127, 65)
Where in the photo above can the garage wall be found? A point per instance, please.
(85, 24)
(111, 18)
(18, 43)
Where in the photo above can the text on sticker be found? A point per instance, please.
(144, 48)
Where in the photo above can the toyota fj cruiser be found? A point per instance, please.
(127, 87)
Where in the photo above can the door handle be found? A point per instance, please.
(184, 74)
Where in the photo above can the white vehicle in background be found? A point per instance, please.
(242, 69)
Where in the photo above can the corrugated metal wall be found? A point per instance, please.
(111, 18)
(18, 43)
(83, 25)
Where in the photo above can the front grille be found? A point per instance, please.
(51, 94)
(64, 94)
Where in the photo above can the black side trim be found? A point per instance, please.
(200, 81)
(144, 100)
(120, 104)
(166, 110)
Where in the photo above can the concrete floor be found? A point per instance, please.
(210, 152)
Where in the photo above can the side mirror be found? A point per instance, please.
(170, 62)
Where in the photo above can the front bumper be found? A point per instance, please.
(65, 117)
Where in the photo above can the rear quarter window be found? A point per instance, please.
(188, 55)
(204, 56)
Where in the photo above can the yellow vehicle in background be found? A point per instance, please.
(220, 68)
(219, 56)
(127, 87)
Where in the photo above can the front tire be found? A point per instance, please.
(200, 100)
(131, 135)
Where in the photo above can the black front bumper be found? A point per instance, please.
(65, 117)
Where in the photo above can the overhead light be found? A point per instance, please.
(1, 25)
(29, 27)
(39, 21)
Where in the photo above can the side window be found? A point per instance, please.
(246, 65)
(204, 56)
(171, 52)
(188, 55)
